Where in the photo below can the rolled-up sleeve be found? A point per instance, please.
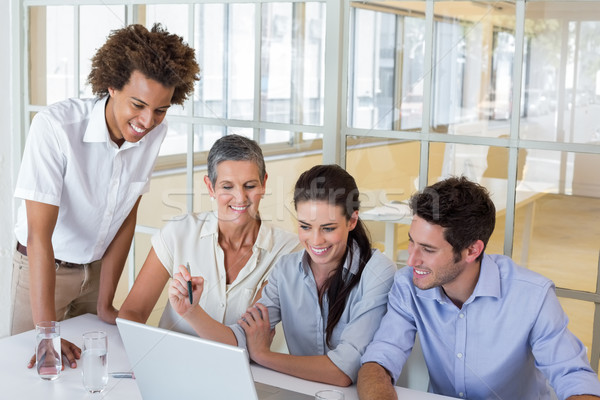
(367, 306)
(270, 299)
(240, 335)
(393, 341)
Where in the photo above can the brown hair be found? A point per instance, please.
(463, 208)
(331, 183)
(157, 54)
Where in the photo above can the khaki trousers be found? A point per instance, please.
(76, 292)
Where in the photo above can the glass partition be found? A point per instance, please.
(474, 51)
(95, 22)
(387, 67)
(387, 173)
(561, 97)
(226, 89)
(51, 77)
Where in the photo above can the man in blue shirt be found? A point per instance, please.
(489, 328)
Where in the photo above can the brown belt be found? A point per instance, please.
(59, 263)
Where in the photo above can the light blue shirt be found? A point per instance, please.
(509, 336)
(291, 297)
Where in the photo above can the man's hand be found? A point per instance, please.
(68, 350)
(374, 383)
(107, 314)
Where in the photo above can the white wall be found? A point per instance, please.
(8, 157)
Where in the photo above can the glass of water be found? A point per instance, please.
(47, 349)
(93, 357)
(329, 394)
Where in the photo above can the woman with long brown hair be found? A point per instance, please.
(330, 297)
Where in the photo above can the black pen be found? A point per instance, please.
(187, 265)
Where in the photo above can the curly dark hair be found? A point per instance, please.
(462, 207)
(157, 54)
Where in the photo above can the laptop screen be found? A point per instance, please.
(170, 365)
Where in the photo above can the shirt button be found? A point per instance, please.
(461, 394)
(461, 315)
(222, 305)
(459, 355)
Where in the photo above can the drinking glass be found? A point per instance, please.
(93, 357)
(47, 350)
(329, 394)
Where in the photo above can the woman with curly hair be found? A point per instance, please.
(85, 166)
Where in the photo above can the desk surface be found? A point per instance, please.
(22, 383)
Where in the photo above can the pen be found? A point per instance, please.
(187, 265)
(122, 375)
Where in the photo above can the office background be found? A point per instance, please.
(401, 93)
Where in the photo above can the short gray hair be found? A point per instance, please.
(235, 148)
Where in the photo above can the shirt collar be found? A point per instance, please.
(350, 266)
(435, 293)
(97, 130)
(264, 239)
(210, 225)
(488, 284)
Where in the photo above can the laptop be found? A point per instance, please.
(172, 365)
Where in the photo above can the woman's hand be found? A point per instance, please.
(178, 291)
(259, 335)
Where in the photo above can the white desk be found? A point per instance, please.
(18, 382)
(391, 214)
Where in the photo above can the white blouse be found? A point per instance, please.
(194, 238)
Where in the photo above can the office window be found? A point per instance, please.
(53, 64)
(380, 98)
(474, 46)
(387, 174)
(561, 95)
(224, 37)
(94, 23)
(505, 93)
(291, 63)
(258, 76)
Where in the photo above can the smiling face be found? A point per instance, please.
(238, 191)
(137, 108)
(432, 258)
(323, 230)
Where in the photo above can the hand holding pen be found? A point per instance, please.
(185, 290)
(189, 284)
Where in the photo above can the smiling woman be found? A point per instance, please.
(338, 279)
(238, 190)
(323, 229)
(231, 248)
